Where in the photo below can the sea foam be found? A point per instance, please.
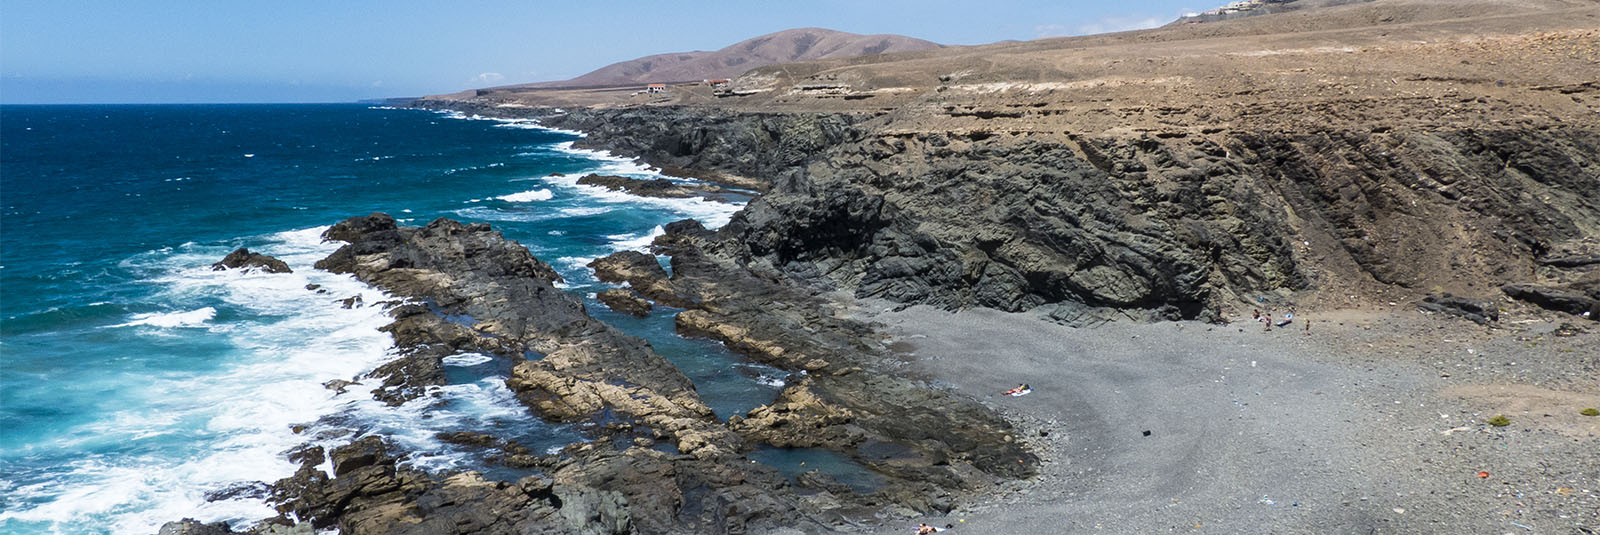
(528, 196)
(237, 418)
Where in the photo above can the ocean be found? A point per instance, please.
(138, 386)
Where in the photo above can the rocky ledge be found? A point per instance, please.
(850, 400)
(658, 187)
(242, 258)
(658, 461)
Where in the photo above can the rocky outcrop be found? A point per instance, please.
(746, 150)
(480, 292)
(1162, 224)
(1580, 299)
(371, 493)
(242, 258)
(624, 301)
(657, 187)
(1480, 311)
(930, 444)
(468, 289)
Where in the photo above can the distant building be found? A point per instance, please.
(655, 88)
(717, 82)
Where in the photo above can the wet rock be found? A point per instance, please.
(242, 258)
(1480, 311)
(595, 512)
(643, 274)
(373, 495)
(253, 489)
(338, 385)
(367, 451)
(190, 526)
(658, 187)
(624, 301)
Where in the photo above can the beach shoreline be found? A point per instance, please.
(1194, 427)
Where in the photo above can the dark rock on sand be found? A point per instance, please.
(624, 301)
(923, 439)
(1580, 299)
(242, 258)
(1480, 311)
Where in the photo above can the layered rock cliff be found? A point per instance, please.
(1175, 224)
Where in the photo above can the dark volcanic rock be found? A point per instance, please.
(1580, 299)
(190, 526)
(1187, 223)
(488, 294)
(848, 402)
(624, 301)
(1480, 311)
(374, 495)
(243, 258)
(658, 187)
(469, 289)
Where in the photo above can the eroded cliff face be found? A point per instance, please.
(1173, 224)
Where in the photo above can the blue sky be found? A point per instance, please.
(69, 51)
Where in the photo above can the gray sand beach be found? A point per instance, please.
(1354, 428)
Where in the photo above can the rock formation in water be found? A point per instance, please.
(242, 258)
(659, 462)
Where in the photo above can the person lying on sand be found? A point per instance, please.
(1019, 390)
(924, 529)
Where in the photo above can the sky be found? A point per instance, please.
(144, 51)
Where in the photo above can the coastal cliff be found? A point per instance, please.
(1160, 224)
(1187, 173)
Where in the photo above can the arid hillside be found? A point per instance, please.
(1353, 154)
(800, 44)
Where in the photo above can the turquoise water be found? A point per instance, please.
(134, 380)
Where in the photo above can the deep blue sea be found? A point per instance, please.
(134, 379)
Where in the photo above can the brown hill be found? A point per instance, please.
(800, 44)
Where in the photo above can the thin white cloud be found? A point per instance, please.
(489, 77)
(1107, 24)
(1050, 30)
(1121, 24)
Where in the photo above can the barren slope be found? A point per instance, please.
(1410, 146)
(800, 44)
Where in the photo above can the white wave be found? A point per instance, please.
(467, 359)
(580, 211)
(636, 242)
(528, 196)
(531, 124)
(712, 214)
(237, 417)
(192, 318)
(573, 262)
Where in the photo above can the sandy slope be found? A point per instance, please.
(1281, 432)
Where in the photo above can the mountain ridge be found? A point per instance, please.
(798, 44)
